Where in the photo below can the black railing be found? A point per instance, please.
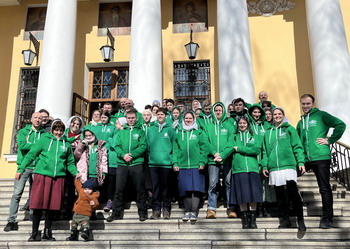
(340, 166)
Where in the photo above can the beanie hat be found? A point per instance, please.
(91, 184)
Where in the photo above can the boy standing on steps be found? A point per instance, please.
(83, 207)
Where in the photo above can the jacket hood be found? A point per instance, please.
(312, 111)
(263, 115)
(224, 112)
(199, 104)
(305, 118)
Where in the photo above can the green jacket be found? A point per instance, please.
(203, 120)
(114, 117)
(160, 145)
(190, 149)
(245, 157)
(55, 157)
(26, 139)
(130, 140)
(315, 125)
(282, 148)
(219, 133)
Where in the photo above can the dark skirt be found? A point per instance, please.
(191, 180)
(246, 188)
(47, 192)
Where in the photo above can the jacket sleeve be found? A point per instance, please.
(78, 185)
(94, 197)
(175, 153)
(228, 149)
(22, 142)
(141, 148)
(31, 156)
(211, 150)
(203, 146)
(296, 146)
(334, 122)
(264, 159)
(71, 161)
(251, 150)
(118, 145)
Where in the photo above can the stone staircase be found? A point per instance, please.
(174, 233)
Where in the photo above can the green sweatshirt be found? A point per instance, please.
(316, 124)
(130, 140)
(219, 133)
(160, 145)
(26, 139)
(203, 120)
(282, 148)
(245, 157)
(190, 149)
(55, 157)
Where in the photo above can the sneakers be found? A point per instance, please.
(193, 216)
(108, 206)
(231, 214)
(114, 216)
(143, 217)
(10, 226)
(326, 223)
(285, 223)
(166, 214)
(85, 233)
(155, 215)
(186, 216)
(301, 224)
(211, 214)
(73, 235)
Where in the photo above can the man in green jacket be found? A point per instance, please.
(312, 129)
(26, 138)
(130, 148)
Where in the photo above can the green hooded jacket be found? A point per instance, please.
(219, 133)
(55, 157)
(131, 140)
(160, 145)
(282, 149)
(26, 139)
(203, 120)
(316, 124)
(190, 149)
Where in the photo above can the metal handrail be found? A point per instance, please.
(340, 165)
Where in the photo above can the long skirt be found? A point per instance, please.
(246, 188)
(47, 192)
(191, 180)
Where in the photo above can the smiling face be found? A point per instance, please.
(239, 106)
(268, 115)
(218, 112)
(256, 114)
(96, 116)
(263, 96)
(75, 125)
(57, 133)
(88, 135)
(278, 117)
(189, 119)
(36, 119)
(306, 104)
(242, 125)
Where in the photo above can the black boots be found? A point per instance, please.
(301, 224)
(285, 223)
(73, 235)
(85, 233)
(35, 236)
(245, 220)
(48, 235)
(252, 220)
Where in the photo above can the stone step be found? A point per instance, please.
(202, 223)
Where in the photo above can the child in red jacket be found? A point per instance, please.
(86, 203)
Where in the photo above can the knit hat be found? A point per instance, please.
(91, 184)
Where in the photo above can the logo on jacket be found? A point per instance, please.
(166, 135)
(312, 123)
(223, 132)
(63, 148)
(135, 136)
(193, 137)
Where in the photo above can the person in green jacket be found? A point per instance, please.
(313, 129)
(160, 147)
(246, 189)
(130, 146)
(283, 155)
(106, 131)
(219, 132)
(259, 125)
(205, 116)
(189, 159)
(26, 139)
(55, 158)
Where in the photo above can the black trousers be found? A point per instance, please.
(321, 170)
(287, 193)
(137, 176)
(161, 191)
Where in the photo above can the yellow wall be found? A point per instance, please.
(281, 58)
(345, 8)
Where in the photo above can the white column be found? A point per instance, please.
(330, 58)
(235, 60)
(57, 60)
(145, 82)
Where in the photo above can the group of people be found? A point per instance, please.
(166, 152)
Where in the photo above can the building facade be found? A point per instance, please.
(284, 47)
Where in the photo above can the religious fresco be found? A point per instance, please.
(35, 22)
(190, 14)
(116, 17)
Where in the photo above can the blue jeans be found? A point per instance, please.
(213, 171)
(18, 189)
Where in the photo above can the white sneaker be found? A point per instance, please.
(193, 216)
(187, 216)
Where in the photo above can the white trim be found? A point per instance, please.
(11, 157)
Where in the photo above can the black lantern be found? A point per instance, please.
(191, 48)
(28, 54)
(107, 51)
